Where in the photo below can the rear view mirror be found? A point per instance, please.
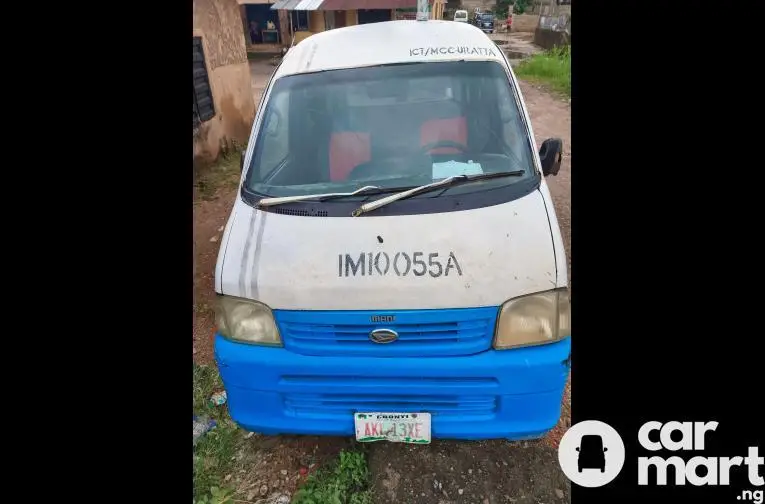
(272, 126)
(241, 162)
(551, 155)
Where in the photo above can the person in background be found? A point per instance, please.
(255, 32)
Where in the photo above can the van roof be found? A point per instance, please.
(386, 43)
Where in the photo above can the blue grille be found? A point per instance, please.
(467, 398)
(345, 405)
(421, 333)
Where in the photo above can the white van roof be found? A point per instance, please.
(388, 42)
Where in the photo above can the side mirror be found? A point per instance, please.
(605, 449)
(241, 162)
(551, 155)
(577, 448)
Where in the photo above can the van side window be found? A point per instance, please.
(276, 128)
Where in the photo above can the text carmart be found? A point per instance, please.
(693, 436)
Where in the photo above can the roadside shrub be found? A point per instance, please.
(520, 6)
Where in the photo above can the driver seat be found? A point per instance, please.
(452, 129)
(347, 150)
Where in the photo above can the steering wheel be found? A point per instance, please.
(445, 143)
(401, 165)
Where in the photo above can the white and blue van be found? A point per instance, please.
(392, 268)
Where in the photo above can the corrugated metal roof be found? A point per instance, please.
(308, 5)
(285, 5)
(367, 4)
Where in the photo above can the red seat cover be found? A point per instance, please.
(453, 129)
(347, 150)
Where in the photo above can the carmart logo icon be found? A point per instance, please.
(591, 453)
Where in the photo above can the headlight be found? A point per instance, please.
(534, 320)
(248, 321)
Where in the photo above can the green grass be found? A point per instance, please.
(551, 68)
(206, 382)
(214, 451)
(344, 482)
(223, 173)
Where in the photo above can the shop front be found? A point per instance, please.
(306, 17)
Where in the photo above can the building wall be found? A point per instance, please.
(219, 23)
(525, 22)
(437, 10)
(351, 17)
(316, 21)
(284, 22)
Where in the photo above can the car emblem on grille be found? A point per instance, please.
(383, 336)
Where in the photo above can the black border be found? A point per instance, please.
(109, 255)
(664, 253)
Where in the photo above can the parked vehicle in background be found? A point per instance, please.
(461, 16)
(485, 22)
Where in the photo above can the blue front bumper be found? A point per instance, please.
(514, 394)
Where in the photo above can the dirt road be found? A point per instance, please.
(445, 472)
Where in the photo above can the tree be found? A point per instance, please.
(520, 6)
(503, 7)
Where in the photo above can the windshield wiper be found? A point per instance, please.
(447, 182)
(266, 202)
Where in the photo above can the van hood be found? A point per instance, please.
(474, 258)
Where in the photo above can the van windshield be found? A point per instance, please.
(394, 126)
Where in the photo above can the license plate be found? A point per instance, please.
(394, 427)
